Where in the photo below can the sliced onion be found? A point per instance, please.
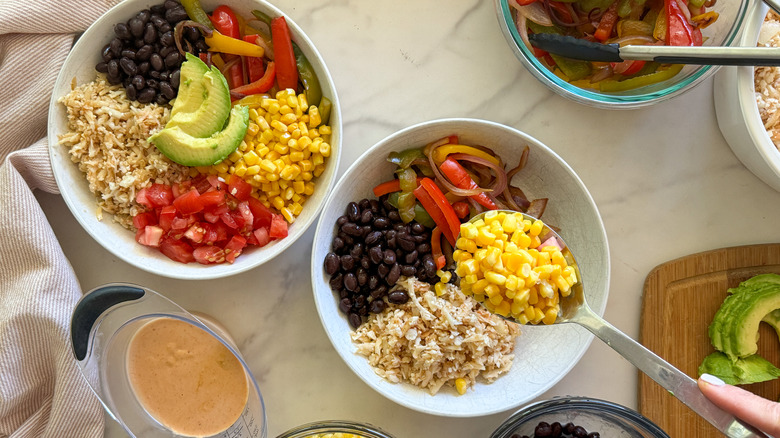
(601, 74)
(534, 12)
(519, 197)
(511, 202)
(687, 12)
(520, 165)
(522, 29)
(478, 208)
(632, 40)
(500, 183)
(537, 207)
(178, 33)
(227, 66)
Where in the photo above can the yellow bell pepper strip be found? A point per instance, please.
(284, 56)
(705, 19)
(609, 85)
(252, 101)
(225, 44)
(433, 201)
(196, 12)
(441, 152)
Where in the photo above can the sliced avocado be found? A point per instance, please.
(751, 369)
(773, 319)
(734, 329)
(202, 105)
(187, 150)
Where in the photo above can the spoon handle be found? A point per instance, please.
(666, 375)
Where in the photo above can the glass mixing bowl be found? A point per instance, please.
(723, 32)
(608, 419)
(324, 429)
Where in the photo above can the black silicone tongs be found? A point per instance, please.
(585, 50)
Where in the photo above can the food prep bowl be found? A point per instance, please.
(326, 428)
(80, 66)
(723, 32)
(543, 355)
(738, 118)
(607, 418)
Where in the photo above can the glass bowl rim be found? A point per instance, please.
(365, 430)
(562, 403)
(595, 98)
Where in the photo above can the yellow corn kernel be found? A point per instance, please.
(314, 116)
(235, 156)
(479, 286)
(278, 202)
(296, 208)
(251, 158)
(309, 189)
(252, 129)
(550, 315)
(222, 167)
(324, 130)
(325, 149)
(460, 385)
(485, 237)
(495, 299)
(495, 278)
(440, 288)
(503, 308)
(253, 114)
(253, 170)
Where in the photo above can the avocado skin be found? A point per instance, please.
(751, 369)
(187, 150)
(202, 105)
(734, 329)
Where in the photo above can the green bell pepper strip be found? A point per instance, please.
(262, 16)
(407, 179)
(589, 5)
(405, 158)
(573, 69)
(196, 12)
(307, 76)
(406, 203)
(609, 85)
(420, 215)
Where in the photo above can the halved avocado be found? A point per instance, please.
(751, 369)
(202, 105)
(185, 149)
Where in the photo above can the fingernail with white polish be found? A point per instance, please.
(712, 380)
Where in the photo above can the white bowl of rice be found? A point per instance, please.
(414, 353)
(747, 101)
(101, 159)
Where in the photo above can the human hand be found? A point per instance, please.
(757, 411)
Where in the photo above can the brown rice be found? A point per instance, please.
(767, 80)
(107, 139)
(431, 341)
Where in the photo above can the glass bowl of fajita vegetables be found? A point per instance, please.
(195, 139)
(626, 84)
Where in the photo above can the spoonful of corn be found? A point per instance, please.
(517, 267)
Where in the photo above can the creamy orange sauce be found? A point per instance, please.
(185, 378)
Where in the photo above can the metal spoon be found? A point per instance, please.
(575, 309)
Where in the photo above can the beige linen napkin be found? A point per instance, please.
(42, 393)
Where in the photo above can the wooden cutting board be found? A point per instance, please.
(679, 301)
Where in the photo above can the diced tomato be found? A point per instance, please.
(177, 250)
(167, 215)
(195, 233)
(229, 219)
(262, 215)
(246, 216)
(261, 234)
(212, 198)
(239, 188)
(278, 228)
(179, 189)
(217, 183)
(209, 255)
(142, 199)
(188, 203)
(179, 223)
(201, 183)
(141, 220)
(551, 241)
(216, 232)
(159, 195)
(233, 248)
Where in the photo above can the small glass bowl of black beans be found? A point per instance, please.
(142, 53)
(578, 417)
(371, 250)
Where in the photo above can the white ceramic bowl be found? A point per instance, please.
(737, 112)
(80, 64)
(543, 354)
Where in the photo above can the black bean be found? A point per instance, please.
(146, 95)
(362, 276)
(332, 263)
(201, 46)
(345, 304)
(176, 15)
(165, 27)
(408, 271)
(136, 27)
(398, 296)
(337, 282)
(350, 282)
(381, 223)
(373, 282)
(355, 320)
(356, 251)
(166, 39)
(373, 237)
(388, 257)
(594, 435)
(394, 216)
(376, 254)
(365, 262)
(164, 76)
(144, 52)
(367, 216)
(150, 33)
(347, 263)
(338, 244)
(424, 248)
(157, 20)
(116, 47)
(393, 275)
(112, 67)
(579, 432)
(417, 228)
(353, 211)
(569, 428)
(174, 80)
(128, 66)
(352, 229)
(382, 270)
(543, 429)
(343, 219)
(406, 242)
(144, 15)
(411, 257)
(555, 427)
(143, 68)
(128, 53)
(191, 34)
(170, 4)
(158, 9)
(138, 82)
(377, 306)
(122, 31)
(106, 54)
(167, 90)
(154, 74)
(131, 92)
(102, 67)
(151, 83)
(429, 265)
(348, 240)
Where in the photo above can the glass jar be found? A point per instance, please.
(323, 429)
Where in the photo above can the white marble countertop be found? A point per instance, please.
(664, 179)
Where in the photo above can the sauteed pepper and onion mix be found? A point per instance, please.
(623, 22)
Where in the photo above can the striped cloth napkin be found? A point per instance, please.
(42, 393)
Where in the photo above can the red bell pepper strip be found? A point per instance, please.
(460, 178)
(283, 54)
(225, 21)
(394, 185)
(261, 85)
(680, 32)
(461, 209)
(438, 257)
(442, 213)
(607, 23)
(255, 68)
(628, 67)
